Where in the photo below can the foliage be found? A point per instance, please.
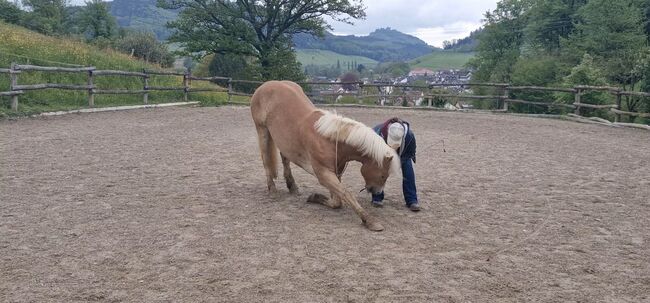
(96, 22)
(567, 42)
(45, 16)
(467, 44)
(351, 78)
(145, 46)
(586, 73)
(259, 29)
(26, 47)
(10, 13)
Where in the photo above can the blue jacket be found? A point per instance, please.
(407, 150)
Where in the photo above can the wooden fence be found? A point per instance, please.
(502, 99)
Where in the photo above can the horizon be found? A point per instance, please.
(434, 23)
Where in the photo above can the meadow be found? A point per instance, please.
(22, 46)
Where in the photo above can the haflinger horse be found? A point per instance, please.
(321, 143)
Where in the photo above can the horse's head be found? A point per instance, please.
(376, 175)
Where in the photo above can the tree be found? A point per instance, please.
(261, 29)
(550, 21)
(96, 21)
(45, 16)
(501, 41)
(144, 45)
(613, 33)
(351, 79)
(10, 13)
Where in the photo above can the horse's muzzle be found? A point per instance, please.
(373, 190)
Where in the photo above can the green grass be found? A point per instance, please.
(22, 46)
(329, 58)
(442, 60)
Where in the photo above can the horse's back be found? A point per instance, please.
(279, 99)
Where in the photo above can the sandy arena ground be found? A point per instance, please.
(170, 205)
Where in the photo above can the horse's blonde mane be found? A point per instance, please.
(358, 135)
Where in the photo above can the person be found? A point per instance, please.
(398, 134)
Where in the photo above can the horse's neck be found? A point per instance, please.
(347, 153)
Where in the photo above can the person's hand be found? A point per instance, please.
(413, 159)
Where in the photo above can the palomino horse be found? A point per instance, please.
(319, 142)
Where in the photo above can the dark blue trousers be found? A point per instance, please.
(408, 184)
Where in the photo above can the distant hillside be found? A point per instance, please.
(443, 60)
(142, 15)
(381, 45)
(467, 44)
(327, 58)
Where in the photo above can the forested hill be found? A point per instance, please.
(382, 45)
(142, 15)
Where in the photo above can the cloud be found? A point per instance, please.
(432, 20)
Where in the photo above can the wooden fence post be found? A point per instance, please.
(91, 88)
(429, 97)
(578, 94)
(618, 106)
(359, 91)
(13, 75)
(505, 96)
(186, 85)
(229, 90)
(145, 79)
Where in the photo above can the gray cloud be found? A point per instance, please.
(430, 20)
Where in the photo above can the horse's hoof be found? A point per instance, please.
(374, 226)
(294, 191)
(272, 189)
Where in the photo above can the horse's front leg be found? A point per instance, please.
(330, 180)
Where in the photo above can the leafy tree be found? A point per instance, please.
(259, 29)
(550, 21)
(45, 16)
(96, 21)
(501, 41)
(351, 78)
(587, 73)
(10, 13)
(613, 33)
(144, 45)
(535, 71)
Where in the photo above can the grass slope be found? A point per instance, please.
(22, 46)
(442, 60)
(329, 58)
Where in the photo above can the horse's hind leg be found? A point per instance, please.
(269, 156)
(288, 177)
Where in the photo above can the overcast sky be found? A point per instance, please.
(433, 21)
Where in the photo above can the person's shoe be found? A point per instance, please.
(414, 207)
(378, 203)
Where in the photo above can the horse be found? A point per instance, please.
(321, 143)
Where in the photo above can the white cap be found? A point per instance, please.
(395, 135)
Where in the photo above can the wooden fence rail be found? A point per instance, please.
(502, 100)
